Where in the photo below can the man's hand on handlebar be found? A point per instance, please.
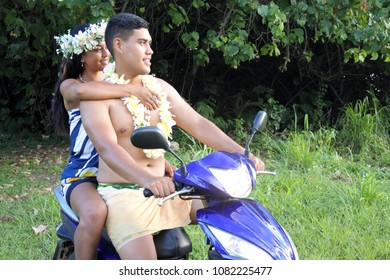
(160, 186)
(259, 164)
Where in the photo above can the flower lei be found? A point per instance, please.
(141, 114)
(82, 41)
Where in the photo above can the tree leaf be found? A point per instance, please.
(39, 229)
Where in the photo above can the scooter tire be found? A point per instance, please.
(214, 254)
(64, 250)
(72, 256)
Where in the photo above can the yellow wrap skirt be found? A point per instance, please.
(131, 215)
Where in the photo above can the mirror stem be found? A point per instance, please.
(183, 169)
(247, 152)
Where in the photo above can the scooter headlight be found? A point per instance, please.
(237, 182)
(238, 247)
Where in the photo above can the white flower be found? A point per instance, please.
(140, 114)
(82, 41)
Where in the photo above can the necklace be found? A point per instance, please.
(81, 78)
(141, 114)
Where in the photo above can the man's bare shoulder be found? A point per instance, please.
(161, 81)
(167, 87)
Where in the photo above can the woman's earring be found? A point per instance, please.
(82, 64)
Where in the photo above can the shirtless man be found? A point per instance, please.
(125, 170)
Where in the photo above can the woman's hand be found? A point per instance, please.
(146, 96)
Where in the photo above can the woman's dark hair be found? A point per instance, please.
(69, 68)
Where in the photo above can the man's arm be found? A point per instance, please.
(201, 128)
(97, 123)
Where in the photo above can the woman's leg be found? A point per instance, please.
(141, 248)
(92, 212)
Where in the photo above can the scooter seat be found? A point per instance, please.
(172, 244)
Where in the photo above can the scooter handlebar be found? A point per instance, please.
(266, 172)
(185, 190)
(148, 193)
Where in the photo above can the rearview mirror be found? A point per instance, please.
(149, 137)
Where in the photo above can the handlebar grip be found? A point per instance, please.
(178, 186)
(148, 193)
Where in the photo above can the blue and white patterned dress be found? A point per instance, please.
(83, 160)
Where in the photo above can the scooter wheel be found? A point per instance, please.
(214, 254)
(72, 256)
(64, 250)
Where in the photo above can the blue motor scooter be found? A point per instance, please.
(235, 226)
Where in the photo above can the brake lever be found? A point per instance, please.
(172, 195)
(266, 172)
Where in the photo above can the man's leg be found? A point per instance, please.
(141, 248)
(195, 206)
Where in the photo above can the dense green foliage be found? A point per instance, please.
(28, 63)
(228, 58)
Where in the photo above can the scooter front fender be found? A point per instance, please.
(250, 221)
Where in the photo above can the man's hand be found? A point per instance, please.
(169, 169)
(160, 186)
(259, 164)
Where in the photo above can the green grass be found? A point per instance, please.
(28, 173)
(333, 201)
(329, 216)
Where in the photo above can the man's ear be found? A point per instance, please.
(117, 45)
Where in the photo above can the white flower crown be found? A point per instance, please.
(82, 41)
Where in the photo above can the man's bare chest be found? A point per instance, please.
(123, 121)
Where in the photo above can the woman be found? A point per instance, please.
(80, 78)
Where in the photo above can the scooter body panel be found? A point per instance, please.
(250, 221)
(199, 175)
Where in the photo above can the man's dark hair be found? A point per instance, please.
(122, 25)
